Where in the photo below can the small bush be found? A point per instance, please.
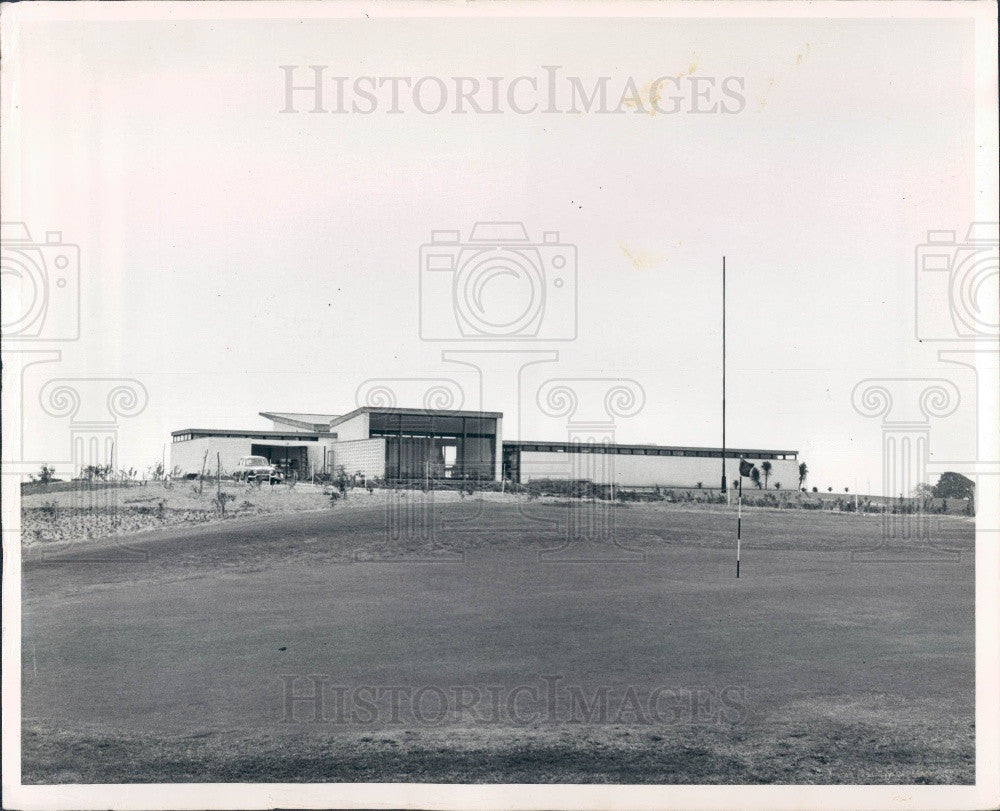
(573, 488)
(221, 499)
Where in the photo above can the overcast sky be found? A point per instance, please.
(236, 259)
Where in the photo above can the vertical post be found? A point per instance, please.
(725, 488)
(218, 475)
(460, 452)
(201, 479)
(739, 522)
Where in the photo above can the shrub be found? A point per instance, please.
(45, 475)
(220, 500)
(574, 488)
(636, 495)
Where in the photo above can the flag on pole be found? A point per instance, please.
(746, 468)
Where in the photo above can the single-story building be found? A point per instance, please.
(642, 465)
(393, 443)
(417, 443)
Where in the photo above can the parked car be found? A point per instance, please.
(256, 468)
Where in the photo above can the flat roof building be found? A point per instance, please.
(417, 443)
(393, 443)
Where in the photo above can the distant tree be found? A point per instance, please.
(954, 485)
(777, 485)
(923, 492)
(815, 489)
(45, 474)
(847, 490)
(766, 467)
(699, 485)
(91, 472)
(829, 489)
(755, 477)
(803, 472)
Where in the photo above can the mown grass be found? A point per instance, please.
(169, 667)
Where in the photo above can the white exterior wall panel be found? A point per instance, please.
(354, 428)
(629, 470)
(188, 455)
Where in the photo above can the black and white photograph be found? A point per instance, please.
(500, 405)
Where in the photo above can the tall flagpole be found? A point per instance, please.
(724, 488)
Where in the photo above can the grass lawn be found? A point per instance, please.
(646, 662)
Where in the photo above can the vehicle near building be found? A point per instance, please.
(257, 469)
(419, 445)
